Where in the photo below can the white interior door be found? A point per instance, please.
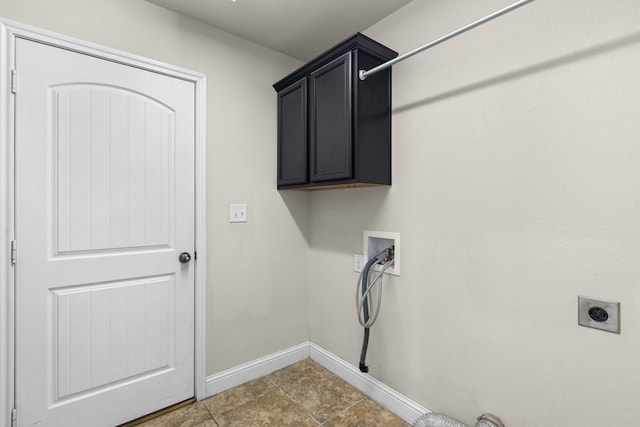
(104, 206)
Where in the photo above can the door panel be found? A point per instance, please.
(104, 206)
(108, 333)
(113, 192)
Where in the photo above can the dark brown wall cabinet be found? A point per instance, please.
(334, 130)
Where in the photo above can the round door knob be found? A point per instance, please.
(184, 257)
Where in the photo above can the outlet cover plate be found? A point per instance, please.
(358, 263)
(612, 324)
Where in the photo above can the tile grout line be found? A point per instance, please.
(272, 386)
(298, 405)
(344, 410)
(333, 416)
(277, 384)
(210, 414)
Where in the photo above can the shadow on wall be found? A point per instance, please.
(297, 203)
(543, 66)
(338, 217)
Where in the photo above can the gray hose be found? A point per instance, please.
(363, 302)
(438, 420)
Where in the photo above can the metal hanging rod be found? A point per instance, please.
(364, 74)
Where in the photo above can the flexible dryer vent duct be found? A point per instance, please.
(439, 420)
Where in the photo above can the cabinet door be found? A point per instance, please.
(330, 121)
(292, 134)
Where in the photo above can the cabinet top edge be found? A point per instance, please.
(358, 40)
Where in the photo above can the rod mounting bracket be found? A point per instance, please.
(361, 74)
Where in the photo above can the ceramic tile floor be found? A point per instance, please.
(304, 394)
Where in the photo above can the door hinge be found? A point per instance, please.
(14, 81)
(14, 252)
(14, 417)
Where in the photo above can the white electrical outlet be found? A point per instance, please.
(238, 213)
(358, 263)
(599, 314)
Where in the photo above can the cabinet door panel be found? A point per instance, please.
(292, 134)
(330, 121)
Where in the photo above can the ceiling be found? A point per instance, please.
(299, 28)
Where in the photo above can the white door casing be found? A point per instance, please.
(99, 225)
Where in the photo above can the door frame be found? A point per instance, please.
(9, 31)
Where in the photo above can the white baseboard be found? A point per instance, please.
(255, 369)
(389, 398)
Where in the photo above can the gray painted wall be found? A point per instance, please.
(256, 288)
(515, 189)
